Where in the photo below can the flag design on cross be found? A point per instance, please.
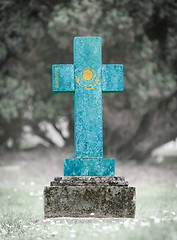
(88, 78)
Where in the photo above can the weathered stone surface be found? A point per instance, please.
(76, 196)
(89, 197)
(88, 98)
(87, 78)
(112, 78)
(89, 167)
(63, 72)
(85, 181)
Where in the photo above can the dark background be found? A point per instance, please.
(139, 34)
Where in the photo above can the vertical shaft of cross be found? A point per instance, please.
(88, 98)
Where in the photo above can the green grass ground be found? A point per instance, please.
(21, 212)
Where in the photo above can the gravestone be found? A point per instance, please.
(89, 187)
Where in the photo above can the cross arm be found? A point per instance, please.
(112, 78)
(63, 78)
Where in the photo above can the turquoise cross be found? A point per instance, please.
(87, 78)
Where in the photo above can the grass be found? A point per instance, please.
(21, 216)
(21, 206)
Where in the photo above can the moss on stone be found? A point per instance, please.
(102, 199)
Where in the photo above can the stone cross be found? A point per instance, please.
(87, 78)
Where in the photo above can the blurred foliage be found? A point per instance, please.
(36, 34)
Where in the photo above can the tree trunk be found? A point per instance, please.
(156, 127)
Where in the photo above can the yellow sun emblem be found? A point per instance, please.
(87, 75)
(87, 80)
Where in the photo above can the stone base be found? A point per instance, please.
(106, 197)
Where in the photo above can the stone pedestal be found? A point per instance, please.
(89, 197)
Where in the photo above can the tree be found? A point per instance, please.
(141, 35)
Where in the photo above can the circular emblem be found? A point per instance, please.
(87, 74)
(88, 79)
